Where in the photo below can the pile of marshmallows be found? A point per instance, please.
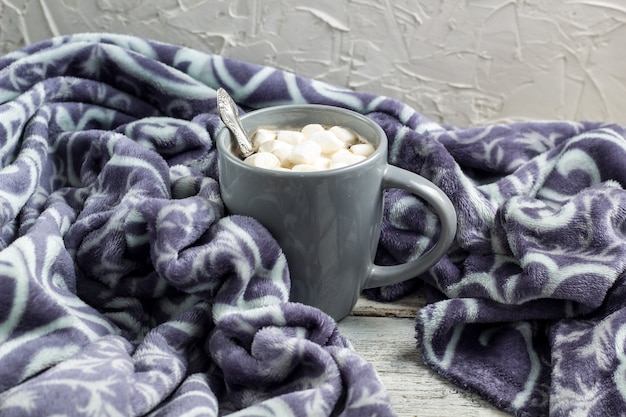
(314, 148)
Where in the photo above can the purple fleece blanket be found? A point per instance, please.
(125, 288)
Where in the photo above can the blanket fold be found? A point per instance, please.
(127, 289)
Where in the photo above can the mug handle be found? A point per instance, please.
(395, 177)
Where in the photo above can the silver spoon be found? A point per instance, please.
(230, 116)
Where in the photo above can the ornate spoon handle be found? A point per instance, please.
(230, 116)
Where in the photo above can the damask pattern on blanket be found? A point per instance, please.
(126, 289)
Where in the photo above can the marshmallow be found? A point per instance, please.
(321, 163)
(313, 148)
(261, 136)
(283, 156)
(327, 140)
(263, 160)
(305, 152)
(304, 168)
(363, 149)
(272, 145)
(344, 135)
(344, 157)
(292, 137)
(309, 129)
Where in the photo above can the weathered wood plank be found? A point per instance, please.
(405, 307)
(415, 390)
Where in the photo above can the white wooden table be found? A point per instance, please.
(384, 334)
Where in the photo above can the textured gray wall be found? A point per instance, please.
(458, 62)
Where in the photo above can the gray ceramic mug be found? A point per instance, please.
(328, 222)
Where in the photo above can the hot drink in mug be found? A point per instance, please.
(327, 221)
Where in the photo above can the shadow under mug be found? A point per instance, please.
(328, 222)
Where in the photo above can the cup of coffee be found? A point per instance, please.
(328, 222)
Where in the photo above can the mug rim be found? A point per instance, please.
(224, 140)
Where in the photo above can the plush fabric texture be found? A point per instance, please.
(127, 289)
